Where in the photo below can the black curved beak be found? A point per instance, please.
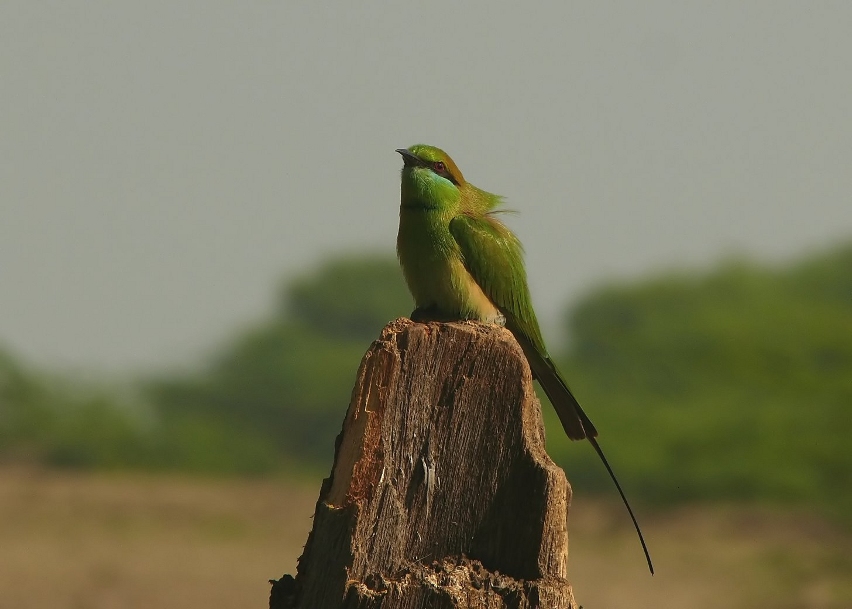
(408, 157)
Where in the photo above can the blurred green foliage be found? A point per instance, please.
(285, 384)
(734, 384)
(273, 397)
(43, 420)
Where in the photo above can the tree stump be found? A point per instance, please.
(441, 494)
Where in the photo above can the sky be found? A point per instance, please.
(165, 165)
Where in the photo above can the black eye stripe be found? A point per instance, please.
(437, 167)
(440, 168)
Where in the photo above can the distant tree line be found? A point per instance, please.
(732, 384)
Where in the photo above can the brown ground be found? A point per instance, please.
(97, 541)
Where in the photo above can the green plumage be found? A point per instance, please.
(461, 262)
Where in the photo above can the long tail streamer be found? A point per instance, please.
(598, 450)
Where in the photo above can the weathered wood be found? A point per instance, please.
(441, 493)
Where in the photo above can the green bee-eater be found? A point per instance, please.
(461, 262)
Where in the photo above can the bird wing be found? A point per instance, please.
(494, 258)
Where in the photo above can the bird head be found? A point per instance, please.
(433, 160)
(430, 178)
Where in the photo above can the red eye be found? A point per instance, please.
(439, 166)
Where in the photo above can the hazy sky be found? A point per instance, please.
(163, 165)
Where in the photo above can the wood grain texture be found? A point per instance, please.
(441, 493)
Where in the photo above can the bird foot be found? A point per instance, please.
(424, 314)
(500, 320)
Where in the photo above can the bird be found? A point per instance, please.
(461, 262)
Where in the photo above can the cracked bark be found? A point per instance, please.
(441, 494)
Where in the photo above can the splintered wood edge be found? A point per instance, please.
(359, 459)
(458, 576)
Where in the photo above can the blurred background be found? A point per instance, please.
(197, 222)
